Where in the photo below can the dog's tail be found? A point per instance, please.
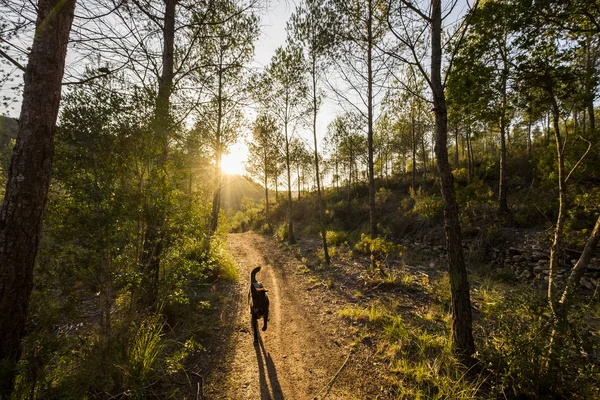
(253, 274)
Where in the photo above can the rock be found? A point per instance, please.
(539, 256)
(586, 283)
(514, 250)
(526, 275)
(517, 258)
(538, 268)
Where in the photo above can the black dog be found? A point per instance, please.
(259, 303)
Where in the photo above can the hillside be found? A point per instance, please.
(236, 188)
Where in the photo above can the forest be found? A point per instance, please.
(420, 185)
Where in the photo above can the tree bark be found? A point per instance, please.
(529, 138)
(502, 189)
(577, 274)
(414, 151)
(265, 160)
(372, 216)
(291, 237)
(462, 329)
(456, 143)
(319, 196)
(154, 234)
(556, 247)
(29, 178)
(216, 205)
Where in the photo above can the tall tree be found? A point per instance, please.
(29, 178)
(365, 68)
(548, 64)
(487, 54)
(402, 14)
(346, 138)
(311, 26)
(280, 91)
(228, 47)
(156, 210)
(261, 157)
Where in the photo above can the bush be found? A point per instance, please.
(282, 233)
(429, 207)
(336, 238)
(378, 249)
(420, 357)
(516, 349)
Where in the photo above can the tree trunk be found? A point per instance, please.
(502, 196)
(291, 237)
(29, 178)
(576, 274)
(154, 234)
(529, 138)
(372, 216)
(502, 189)
(456, 142)
(556, 247)
(547, 128)
(414, 152)
(266, 192)
(471, 162)
(462, 329)
(319, 197)
(590, 86)
(216, 206)
(423, 153)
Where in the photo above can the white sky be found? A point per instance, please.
(273, 35)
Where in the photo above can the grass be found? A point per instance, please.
(419, 356)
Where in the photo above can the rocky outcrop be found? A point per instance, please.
(527, 256)
(530, 261)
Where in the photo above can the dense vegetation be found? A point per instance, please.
(470, 147)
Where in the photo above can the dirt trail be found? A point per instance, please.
(298, 355)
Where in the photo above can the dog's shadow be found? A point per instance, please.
(270, 377)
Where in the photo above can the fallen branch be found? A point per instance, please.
(332, 381)
(199, 387)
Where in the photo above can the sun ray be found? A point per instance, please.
(234, 162)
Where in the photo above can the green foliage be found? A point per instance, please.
(141, 366)
(378, 249)
(282, 232)
(336, 238)
(418, 351)
(516, 348)
(427, 206)
(382, 196)
(366, 245)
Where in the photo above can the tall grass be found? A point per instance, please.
(142, 365)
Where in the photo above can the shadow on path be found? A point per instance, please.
(271, 374)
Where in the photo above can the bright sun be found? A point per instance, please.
(233, 163)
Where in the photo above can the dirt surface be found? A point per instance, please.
(304, 354)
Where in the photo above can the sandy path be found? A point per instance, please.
(297, 356)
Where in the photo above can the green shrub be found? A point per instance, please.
(336, 238)
(516, 348)
(420, 358)
(282, 233)
(427, 206)
(142, 364)
(382, 196)
(378, 249)
(379, 245)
